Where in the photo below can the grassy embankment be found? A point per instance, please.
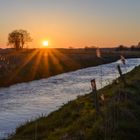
(33, 64)
(119, 118)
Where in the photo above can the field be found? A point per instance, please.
(119, 117)
(33, 64)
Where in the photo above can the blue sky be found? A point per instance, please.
(75, 23)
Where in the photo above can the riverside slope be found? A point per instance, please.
(119, 118)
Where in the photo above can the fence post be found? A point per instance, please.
(123, 80)
(121, 75)
(94, 91)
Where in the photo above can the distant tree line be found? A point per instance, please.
(90, 48)
(131, 48)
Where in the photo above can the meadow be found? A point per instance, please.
(33, 64)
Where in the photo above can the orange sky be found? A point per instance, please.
(76, 23)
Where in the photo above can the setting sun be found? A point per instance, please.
(45, 43)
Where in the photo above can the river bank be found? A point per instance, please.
(35, 64)
(77, 119)
(29, 100)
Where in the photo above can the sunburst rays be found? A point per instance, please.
(44, 63)
(27, 60)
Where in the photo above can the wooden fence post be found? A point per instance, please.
(121, 75)
(94, 91)
(123, 80)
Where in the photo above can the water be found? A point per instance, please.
(26, 101)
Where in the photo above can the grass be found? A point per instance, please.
(28, 65)
(119, 117)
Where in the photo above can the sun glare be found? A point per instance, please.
(45, 43)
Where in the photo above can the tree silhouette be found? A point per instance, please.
(138, 46)
(18, 38)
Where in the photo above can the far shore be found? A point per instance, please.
(34, 64)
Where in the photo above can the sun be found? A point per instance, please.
(45, 43)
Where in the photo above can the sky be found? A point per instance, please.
(75, 23)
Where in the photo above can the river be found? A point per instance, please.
(27, 101)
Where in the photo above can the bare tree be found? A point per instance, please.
(18, 38)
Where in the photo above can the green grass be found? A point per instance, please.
(119, 118)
